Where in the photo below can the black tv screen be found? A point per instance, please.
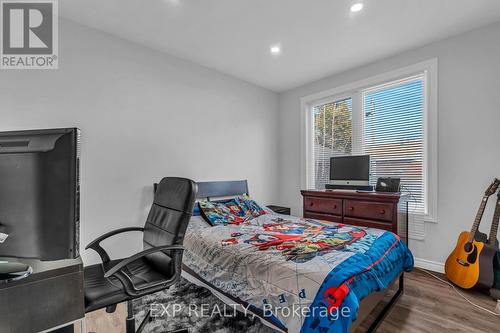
(355, 168)
(39, 194)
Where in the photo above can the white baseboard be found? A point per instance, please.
(429, 265)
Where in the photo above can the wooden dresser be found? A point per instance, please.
(388, 211)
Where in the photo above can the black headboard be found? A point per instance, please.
(222, 188)
(207, 190)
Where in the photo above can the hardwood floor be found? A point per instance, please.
(101, 322)
(426, 306)
(431, 306)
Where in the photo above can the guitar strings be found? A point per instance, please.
(459, 293)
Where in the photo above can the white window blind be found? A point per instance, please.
(332, 136)
(393, 135)
(389, 128)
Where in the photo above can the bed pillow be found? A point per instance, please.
(235, 207)
(251, 207)
(232, 211)
(216, 213)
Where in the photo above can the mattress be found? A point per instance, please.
(301, 275)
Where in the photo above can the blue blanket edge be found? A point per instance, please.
(388, 265)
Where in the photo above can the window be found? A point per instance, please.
(392, 118)
(332, 136)
(393, 135)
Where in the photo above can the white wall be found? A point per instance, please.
(468, 131)
(143, 115)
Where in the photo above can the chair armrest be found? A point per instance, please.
(96, 246)
(128, 261)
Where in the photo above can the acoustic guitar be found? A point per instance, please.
(462, 266)
(487, 255)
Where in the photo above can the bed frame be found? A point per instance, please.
(220, 189)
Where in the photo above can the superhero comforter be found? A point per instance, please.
(302, 275)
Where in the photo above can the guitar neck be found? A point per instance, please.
(479, 216)
(494, 224)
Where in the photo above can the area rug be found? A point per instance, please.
(186, 305)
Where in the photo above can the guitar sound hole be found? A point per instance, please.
(468, 247)
(472, 257)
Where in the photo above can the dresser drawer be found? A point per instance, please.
(369, 223)
(320, 205)
(326, 217)
(368, 210)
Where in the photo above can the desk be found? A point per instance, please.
(387, 211)
(50, 298)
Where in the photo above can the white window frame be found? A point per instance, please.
(354, 90)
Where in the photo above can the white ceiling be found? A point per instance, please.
(318, 37)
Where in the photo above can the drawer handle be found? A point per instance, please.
(382, 211)
(311, 204)
(334, 206)
(351, 208)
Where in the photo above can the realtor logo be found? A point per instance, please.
(29, 34)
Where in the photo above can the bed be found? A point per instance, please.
(296, 274)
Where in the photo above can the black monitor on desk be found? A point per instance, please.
(350, 170)
(39, 194)
(350, 173)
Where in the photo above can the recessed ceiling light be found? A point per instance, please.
(173, 2)
(275, 49)
(356, 7)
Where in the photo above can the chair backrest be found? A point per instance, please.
(168, 219)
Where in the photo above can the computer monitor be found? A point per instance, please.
(350, 170)
(39, 194)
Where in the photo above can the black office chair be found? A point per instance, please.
(154, 269)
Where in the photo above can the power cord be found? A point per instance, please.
(459, 293)
(407, 190)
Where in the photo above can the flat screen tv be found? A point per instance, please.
(39, 193)
(350, 170)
